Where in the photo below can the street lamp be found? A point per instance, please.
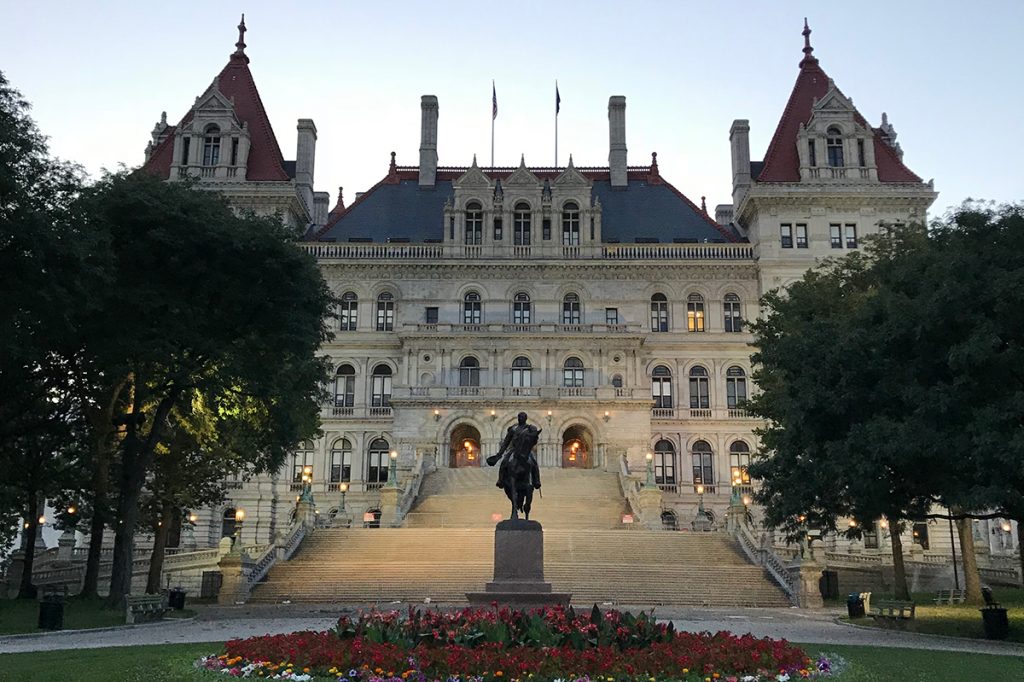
(342, 488)
(700, 500)
(650, 471)
(393, 471)
(239, 521)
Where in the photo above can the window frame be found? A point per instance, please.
(348, 312)
(385, 317)
(786, 235)
(341, 461)
(661, 388)
(572, 309)
(835, 235)
(703, 463)
(801, 235)
(739, 462)
(521, 224)
(381, 384)
(700, 388)
(570, 224)
(573, 374)
(345, 386)
(469, 371)
(850, 235)
(665, 463)
(695, 313)
(522, 308)
(732, 313)
(834, 148)
(472, 308)
(659, 313)
(522, 372)
(378, 461)
(735, 387)
(474, 221)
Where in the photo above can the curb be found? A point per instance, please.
(1011, 646)
(109, 628)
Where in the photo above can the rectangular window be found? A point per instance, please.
(835, 236)
(546, 229)
(801, 236)
(851, 236)
(341, 466)
(431, 315)
(786, 234)
(812, 153)
(497, 229)
(860, 153)
(234, 151)
(186, 142)
(451, 228)
(591, 229)
(381, 387)
(611, 315)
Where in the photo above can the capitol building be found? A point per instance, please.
(603, 301)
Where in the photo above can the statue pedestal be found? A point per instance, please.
(518, 568)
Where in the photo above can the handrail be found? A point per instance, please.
(409, 492)
(262, 562)
(763, 556)
(630, 486)
(292, 541)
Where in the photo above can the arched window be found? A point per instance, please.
(664, 463)
(381, 386)
(348, 314)
(570, 224)
(700, 396)
(474, 223)
(522, 309)
(471, 308)
(703, 464)
(661, 387)
(377, 462)
(521, 224)
(301, 458)
(341, 461)
(695, 313)
(733, 316)
(522, 373)
(834, 146)
(735, 387)
(386, 312)
(211, 146)
(345, 387)
(659, 313)
(572, 373)
(617, 381)
(571, 309)
(469, 372)
(739, 461)
(228, 523)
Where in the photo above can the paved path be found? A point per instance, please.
(218, 624)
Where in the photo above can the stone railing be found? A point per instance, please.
(506, 328)
(434, 252)
(263, 559)
(630, 486)
(410, 491)
(762, 555)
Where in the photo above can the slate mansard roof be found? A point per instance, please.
(647, 210)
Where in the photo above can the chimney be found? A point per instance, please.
(428, 140)
(617, 136)
(305, 153)
(739, 140)
(321, 202)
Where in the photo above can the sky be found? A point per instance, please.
(98, 74)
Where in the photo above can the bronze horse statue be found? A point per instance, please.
(518, 474)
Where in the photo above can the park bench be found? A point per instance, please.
(949, 597)
(892, 612)
(144, 607)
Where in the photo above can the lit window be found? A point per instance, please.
(739, 462)
(474, 223)
(731, 311)
(659, 313)
(348, 315)
(695, 313)
(735, 387)
(834, 146)
(700, 396)
(381, 386)
(661, 387)
(301, 458)
(570, 224)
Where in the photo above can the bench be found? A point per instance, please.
(144, 607)
(949, 597)
(892, 612)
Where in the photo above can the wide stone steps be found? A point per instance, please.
(597, 566)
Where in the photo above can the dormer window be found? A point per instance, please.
(521, 223)
(474, 223)
(834, 145)
(211, 146)
(570, 224)
(812, 153)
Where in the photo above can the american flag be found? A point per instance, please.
(494, 102)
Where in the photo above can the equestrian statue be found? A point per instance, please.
(518, 474)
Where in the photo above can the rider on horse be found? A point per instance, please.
(520, 436)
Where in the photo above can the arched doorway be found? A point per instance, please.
(577, 448)
(465, 446)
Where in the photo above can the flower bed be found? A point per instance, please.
(504, 645)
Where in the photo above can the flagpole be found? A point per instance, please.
(556, 123)
(494, 115)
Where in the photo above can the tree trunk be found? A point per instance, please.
(90, 585)
(899, 586)
(156, 559)
(972, 578)
(102, 423)
(27, 590)
(1020, 547)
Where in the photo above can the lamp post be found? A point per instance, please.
(649, 483)
(393, 470)
(342, 488)
(700, 501)
(239, 522)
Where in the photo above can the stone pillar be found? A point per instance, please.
(305, 155)
(66, 547)
(428, 140)
(234, 569)
(808, 592)
(14, 573)
(617, 140)
(518, 568)
(650, 508)
(735, 517)
(389, 507)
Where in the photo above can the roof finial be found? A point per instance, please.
(704, 205)
(241, 45)
(808, 50)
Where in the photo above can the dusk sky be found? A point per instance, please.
(98, 74)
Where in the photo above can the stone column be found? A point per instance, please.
(650, 508)
(234, 569)
(389, 507)
(806, 575)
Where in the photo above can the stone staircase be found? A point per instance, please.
(446, 550)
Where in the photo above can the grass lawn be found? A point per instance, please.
(174, 662)
(959, 620)
(22, 615)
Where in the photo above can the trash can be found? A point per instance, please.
(855, 606)
(51, 612)
(176, 599)
(828, 584)
(997, 626)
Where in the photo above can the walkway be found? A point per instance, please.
(216, 624)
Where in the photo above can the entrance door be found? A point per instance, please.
(465, 446)
(575, 454)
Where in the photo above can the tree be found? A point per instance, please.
(201, 304)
